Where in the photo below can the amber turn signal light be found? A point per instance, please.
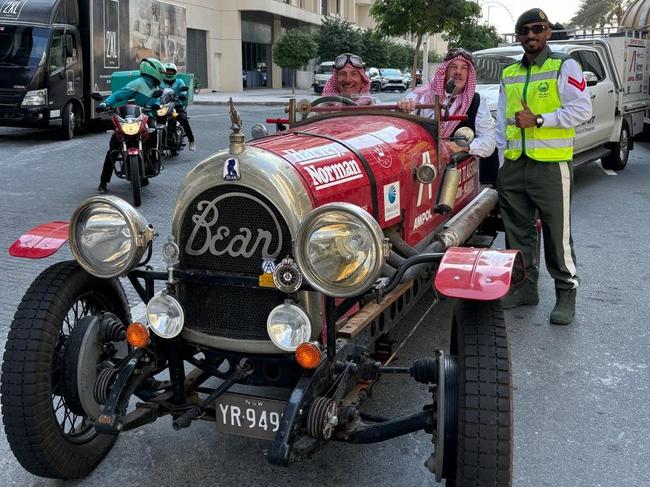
(308, 355)
(137, 335)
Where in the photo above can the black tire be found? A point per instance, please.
(136, 183)
(36, 418)
(68, 121)
(617, 160)
(484, 439)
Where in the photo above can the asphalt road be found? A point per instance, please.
(581, 400)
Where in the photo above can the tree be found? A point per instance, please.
(473, 36)
(599, 13)
(399, 55)
(421, 17)
(336, 36)
(293, 50)
(373, 49)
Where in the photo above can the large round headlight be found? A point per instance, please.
(288, 326)
(108, 236)
(165, 315)
(340, 249)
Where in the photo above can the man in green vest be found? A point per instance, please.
(542, 98)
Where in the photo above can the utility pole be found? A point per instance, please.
(425, 61)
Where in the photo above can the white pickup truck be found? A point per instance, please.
(615, 66)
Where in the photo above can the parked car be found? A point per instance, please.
(322, 74)
(618, 90)
(375, 79)
(391, 79)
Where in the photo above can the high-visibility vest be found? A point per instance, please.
(538, 86)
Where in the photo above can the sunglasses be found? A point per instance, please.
(346, 58)
(537, 29)
(459, 52)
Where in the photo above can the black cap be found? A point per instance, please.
(532, 15)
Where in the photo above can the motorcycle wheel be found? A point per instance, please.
(43, 431)
(483, 450)
(136, 182)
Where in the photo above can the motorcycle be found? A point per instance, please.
(171, 136)
(134, 161)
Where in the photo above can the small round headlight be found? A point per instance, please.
(165, 315)
(288, 326)
(108, 236)
(340, 249)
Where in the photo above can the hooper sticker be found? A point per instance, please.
(391, 201)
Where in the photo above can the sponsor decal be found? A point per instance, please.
(391, 201)
(208, 236)
(468, 181)
(426, 159)
(231, 169)
(580, 85)
(422, 218)
(382, 156)
(322, 153)
(333, 174)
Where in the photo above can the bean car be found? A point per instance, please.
(292, 258)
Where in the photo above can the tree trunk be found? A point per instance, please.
(293, 86)
(414, 69)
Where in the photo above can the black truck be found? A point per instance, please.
(55, 53)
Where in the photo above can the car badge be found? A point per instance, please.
(268, 266)
(231, 169)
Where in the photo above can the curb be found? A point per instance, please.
(247, 102)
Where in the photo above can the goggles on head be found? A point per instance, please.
(346, 58)
(537, 29)
(453, 53)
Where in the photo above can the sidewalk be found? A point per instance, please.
(260, 96)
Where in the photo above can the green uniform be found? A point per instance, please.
(537, 176)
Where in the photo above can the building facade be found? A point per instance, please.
(229, 42)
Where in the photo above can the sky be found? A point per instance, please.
(497, 10)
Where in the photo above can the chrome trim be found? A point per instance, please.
(368, 221)
(278, 181)
(141, 233)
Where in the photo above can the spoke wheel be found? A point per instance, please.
(48, 436)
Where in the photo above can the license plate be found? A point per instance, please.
(256, 417)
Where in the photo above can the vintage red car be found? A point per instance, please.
(291, 259)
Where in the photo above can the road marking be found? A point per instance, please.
(207, 115)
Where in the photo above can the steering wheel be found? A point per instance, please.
(333, 99)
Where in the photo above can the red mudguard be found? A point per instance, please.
(41, 241)
(478, 274)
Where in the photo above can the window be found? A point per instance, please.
(591, 62)
(71, 49)
(57, 59)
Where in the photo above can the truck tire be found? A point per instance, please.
(136, 183)
(617, 160)
(484, 438)
(38, 422)
(68, 121)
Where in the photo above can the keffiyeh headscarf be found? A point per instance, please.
(436, 86)
(330, 88)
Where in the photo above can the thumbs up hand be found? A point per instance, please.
(525, 118)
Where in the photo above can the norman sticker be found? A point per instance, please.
(333, 174)
(231, 169)
(391, 201)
